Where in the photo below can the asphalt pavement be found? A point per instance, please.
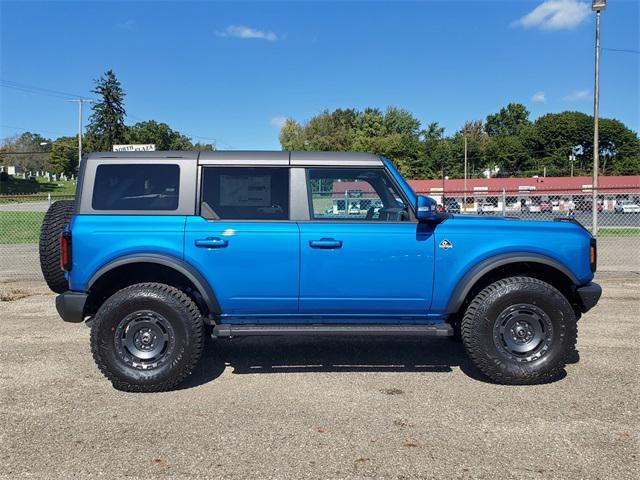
(318, 407)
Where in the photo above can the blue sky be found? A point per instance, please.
(230, 71)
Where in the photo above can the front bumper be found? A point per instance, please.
(589, 296)
(70, 306)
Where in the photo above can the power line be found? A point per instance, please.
(37, 90)
(25, 129)
(23, 87)
(625, 50)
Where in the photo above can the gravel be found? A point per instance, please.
(319, 407)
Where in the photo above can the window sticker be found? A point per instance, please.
(245, 191)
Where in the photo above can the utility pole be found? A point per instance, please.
(81, 102)
(597, 6)
(572, 158)
(465, 170)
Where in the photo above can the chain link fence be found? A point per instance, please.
(618, 214)
(618, 221)
(20, 220)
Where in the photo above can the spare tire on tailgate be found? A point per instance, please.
(55, 221)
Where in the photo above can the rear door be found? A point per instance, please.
(244, 242)
(362, 253)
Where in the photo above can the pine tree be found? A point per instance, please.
(106, 124)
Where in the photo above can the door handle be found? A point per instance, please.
(326, 243)
(212, 242)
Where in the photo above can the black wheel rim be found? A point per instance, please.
(144, 340)
(523, 332)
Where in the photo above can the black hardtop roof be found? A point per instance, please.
(247, 156)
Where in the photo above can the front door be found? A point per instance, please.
(362, 253)
(244, 243)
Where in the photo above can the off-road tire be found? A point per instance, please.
(182, 320)
(483, 318)
(55, 221)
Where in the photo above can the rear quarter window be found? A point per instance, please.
(136, 187)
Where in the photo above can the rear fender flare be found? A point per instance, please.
(174, 263)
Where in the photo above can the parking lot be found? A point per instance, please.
(318, 407)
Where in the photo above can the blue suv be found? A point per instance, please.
(160, 249)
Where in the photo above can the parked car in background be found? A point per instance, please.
(534, 208)
(451, 205)
(486, 207)
(546, 207)
(627, 206)
(586, 205)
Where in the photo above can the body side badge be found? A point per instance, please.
(445, 244)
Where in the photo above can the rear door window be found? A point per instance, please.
(136, 187)
(239, 193)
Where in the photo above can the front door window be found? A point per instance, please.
(355, 194)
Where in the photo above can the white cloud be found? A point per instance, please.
(539, 97)
(555, 15)
(244, 32)
(278, 122)
(578, 95)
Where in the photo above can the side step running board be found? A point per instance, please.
(434, 330)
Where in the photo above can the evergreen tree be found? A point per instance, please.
(106, 124)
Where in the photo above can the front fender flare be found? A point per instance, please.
(180, 266)
(470, 278)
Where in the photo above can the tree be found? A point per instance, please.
(508, 121)
(619, 149)
(106, 124)
(27, 150)
(291, 135)
(63, 157)
(507, 140)
(159, 134)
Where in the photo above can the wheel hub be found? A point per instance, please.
(143, 339)
(523, 332)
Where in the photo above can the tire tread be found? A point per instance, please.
(515, 375)
(194, 317)
(55, 221)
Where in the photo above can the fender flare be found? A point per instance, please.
(189, 271)
(470, 278)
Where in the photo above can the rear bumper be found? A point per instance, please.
(70, 306)
(589, 296)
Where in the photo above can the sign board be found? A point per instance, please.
(149, 147)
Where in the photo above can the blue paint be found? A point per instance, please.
(326, 272)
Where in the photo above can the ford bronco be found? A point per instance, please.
(160, 249)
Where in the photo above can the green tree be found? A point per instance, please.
(27, 150)
(619, 149)
(106, 124)
(401, 122)
(508, 121)
(159, 134)
(63, 157)
(507, 141)
(291, 135)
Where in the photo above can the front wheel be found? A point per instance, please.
(147, 337)
(520, 331)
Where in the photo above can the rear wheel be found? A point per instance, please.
(55, 221)
(147, 337)
(519, 331)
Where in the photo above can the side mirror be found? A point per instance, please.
(427, 209)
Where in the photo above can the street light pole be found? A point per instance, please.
(81, 102)
(465, 170)
(597, 6)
